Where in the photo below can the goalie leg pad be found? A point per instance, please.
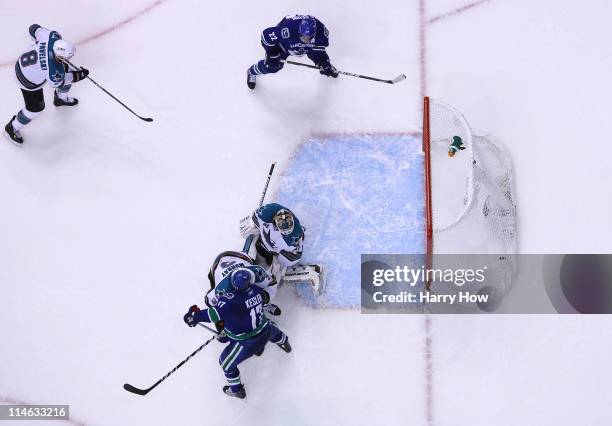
(310, 274)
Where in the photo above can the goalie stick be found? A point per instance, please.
(138, 391)
(263, 194)
(396, 80)
(310, 274)
(248, 246)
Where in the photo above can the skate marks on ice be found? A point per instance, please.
(99, 34)
(354, 193)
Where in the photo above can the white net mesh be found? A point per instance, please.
(473, 209)
(451, 177)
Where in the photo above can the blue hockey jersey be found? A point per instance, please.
(284, 40)
(241, 312)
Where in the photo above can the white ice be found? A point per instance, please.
(108, 224)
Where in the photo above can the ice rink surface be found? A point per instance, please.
(108, 224)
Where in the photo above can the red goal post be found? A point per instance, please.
(469, 190)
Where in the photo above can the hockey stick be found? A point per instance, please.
(250, 238)
(263, 194)
(394, 81)
(147, 119)
(138, 391)
(208, 328)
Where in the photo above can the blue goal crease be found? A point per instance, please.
(354, 194)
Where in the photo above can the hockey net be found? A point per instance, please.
(469, 197)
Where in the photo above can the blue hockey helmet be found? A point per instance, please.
(307, 29)
(242, 279)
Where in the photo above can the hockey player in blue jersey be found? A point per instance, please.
(44, 62)
(279, 237)
(220, 274)
(240, 319)
(295, 35)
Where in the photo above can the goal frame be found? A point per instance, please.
(481, 182)
(428, 198)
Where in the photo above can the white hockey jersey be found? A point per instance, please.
(38, 64)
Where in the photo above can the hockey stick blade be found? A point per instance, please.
(147, 119)
(397, 79)
(137, 391)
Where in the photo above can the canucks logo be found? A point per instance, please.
(226, 294)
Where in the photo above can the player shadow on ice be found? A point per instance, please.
(58, 141)
(67, 139)
(306, 108)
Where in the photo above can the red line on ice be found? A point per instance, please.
(422, 51)
(109, 29)
(423, 24)
(428, 354)
(456, 11)
(121, 23)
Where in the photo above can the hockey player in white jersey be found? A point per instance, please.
(44, 62)
(220, 273)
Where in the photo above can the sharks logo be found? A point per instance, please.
(261, 274)
(57, 77)
(296, 239)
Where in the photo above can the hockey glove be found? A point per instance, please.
(79, 75)
(248, 227)
(188, 318)
(222, 337)
(329, 70)
(273, 62)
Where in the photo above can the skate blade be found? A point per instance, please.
(6, 135)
